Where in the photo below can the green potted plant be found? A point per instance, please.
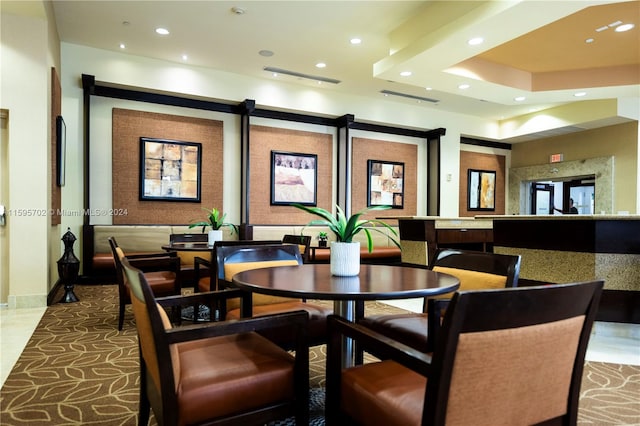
(215, 220)
(345, 258)
(322, 239)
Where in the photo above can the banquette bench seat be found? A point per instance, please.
(97, 260)
(384, 250)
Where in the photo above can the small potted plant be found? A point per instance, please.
(345, 258)
(322, 239)
(215, 220)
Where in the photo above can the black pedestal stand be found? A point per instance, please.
(68, 268)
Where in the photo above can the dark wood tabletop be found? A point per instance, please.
(375, 282)
(187, 247)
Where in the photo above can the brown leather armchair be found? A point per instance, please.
(476, 270)
(509, 356)
(303, 242)
(231, 260)
(206, 272)
(162, 271)
(216, 373)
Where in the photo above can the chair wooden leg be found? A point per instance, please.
(144, 407)
(121, 315)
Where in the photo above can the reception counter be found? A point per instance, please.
(554, 249)
(421, 236)
(573, 247)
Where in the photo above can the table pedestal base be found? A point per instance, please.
(346, 309)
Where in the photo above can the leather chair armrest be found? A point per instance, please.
(435, 311)
(202, 266)
(201, 261)
(298, 319)
(204, 298)
(168, 262)
(378, 345)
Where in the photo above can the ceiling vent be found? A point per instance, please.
(301, 75)
(406, 95)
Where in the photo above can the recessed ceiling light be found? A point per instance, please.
(475, 41)
(122, 46)
(624, 27)
(602, 28)
(238, 10)
(265, 53)
(405, 73)
(428, 88)
(464, 86)
(589, 40)
(615, 24)
(519, 98)
(580, 94)
(185, 57)
(162, 31)
(355, 40)
(321, 65)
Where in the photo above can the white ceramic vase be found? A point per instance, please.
(214, 236)
(345, 259)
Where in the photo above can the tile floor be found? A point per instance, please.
(610, 342)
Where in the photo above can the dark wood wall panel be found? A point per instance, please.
(371, 149)
(479, 161)
(128, 127)
(263, 141)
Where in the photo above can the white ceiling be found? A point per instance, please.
(425, 37)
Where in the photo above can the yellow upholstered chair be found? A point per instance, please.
(475, 270)
(234, 259)
(506, 357)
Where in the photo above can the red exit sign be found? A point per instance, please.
(556, 158)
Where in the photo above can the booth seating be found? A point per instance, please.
(384, 250)
(97, 260)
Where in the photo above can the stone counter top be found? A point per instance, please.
(564, 217)
(448, 222)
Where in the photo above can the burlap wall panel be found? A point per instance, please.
(263, 141)
(479, 161)
(371, 149)
(128, 127)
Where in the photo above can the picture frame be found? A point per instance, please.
(385, 184)
(61, 150)
(170, 170)
(481, 190)
(294, 178)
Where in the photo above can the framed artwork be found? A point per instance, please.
(170, 170)
(61, 149)
(481, 190)
(385, 184)
(294, 178)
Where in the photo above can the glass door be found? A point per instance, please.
(542, 198)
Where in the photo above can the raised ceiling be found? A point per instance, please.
(531, 49)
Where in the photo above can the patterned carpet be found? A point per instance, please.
(78, 369)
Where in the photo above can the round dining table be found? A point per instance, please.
(374, 282)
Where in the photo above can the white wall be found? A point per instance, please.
(120, 68)
(26, 59)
